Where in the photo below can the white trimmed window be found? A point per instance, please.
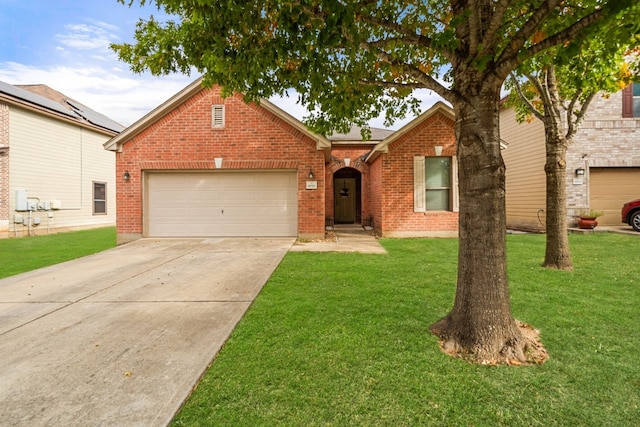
(217, 116)
(99, 198)
(435, 184)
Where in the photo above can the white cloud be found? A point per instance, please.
(106, 26)
(87, 37)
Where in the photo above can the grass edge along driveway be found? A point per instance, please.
(342, 339)
(22, 254)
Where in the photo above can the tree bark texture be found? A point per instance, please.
(557, 252)
(480, 327)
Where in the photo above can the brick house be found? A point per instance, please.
(54, 173)
(203, 165)
(603, 163)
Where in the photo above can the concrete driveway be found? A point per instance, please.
(121, 337)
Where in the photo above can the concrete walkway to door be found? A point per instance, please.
(346, 238)
(121, 337)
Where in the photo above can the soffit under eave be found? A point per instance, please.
(326, 151)
(375, 153)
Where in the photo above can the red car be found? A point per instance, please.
(631, 214)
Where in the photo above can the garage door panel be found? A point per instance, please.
(274, 195)
(241, 197)
(266, 211)
(199, 204)
(174, 212)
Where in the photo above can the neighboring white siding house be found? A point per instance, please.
(54, 173)
(606, 148)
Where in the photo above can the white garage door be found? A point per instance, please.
(224, 204)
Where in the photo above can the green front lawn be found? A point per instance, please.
(342, 339)
(28, 253)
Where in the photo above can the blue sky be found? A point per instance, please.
(65, 45)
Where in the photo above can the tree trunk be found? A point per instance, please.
(557, 253)
(480, 326)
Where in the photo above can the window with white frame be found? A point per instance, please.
(435, 184)
(99, 198)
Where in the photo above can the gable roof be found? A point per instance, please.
(43, 99)
(383, 146)
(115, 143)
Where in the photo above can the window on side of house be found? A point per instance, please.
(435, 184)
(99, 198)
(631, 101)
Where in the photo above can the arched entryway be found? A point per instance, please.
(347, 196)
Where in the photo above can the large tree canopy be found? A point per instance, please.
(351, 60)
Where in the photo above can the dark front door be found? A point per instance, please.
(344, 196)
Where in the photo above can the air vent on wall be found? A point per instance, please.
(217, 116)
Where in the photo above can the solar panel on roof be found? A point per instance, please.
(95, 117)
(78, 111)
(32, 98)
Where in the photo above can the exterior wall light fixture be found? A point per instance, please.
(580, 172)
(311, 175)
(126, 176)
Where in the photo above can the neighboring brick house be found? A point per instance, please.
(54, 173)
(603, 163)
(202, 165)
